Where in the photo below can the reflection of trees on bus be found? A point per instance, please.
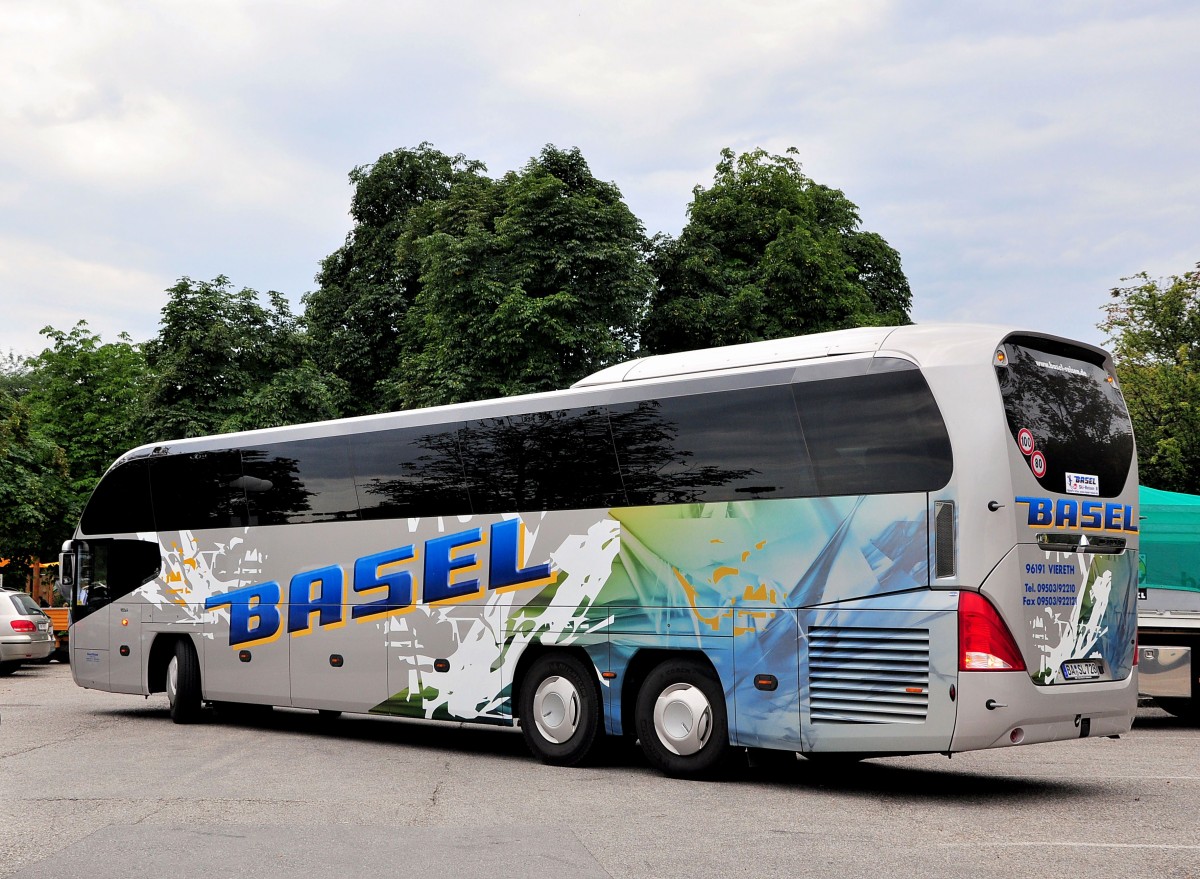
(1078, 422)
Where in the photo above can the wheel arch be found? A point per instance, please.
(534, 651)
(162, 648)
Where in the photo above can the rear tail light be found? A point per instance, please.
(22, 626)
(984, 641)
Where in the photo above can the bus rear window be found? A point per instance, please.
(1066, 417)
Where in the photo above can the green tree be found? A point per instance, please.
(295, 395)
(217, 349)
(527, 283)
(86, 397)
(1153, 326)
(356, 316)
(35, 498)
(767, 253)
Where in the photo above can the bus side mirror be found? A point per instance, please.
(66, 576)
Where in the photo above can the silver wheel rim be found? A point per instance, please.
(556, 709)
(683, 719)
(172, 679)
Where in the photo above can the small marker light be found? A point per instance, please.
(125, 622)
(1001, 357)
(1017, 736)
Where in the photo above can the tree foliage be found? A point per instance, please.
(35, 498)
(357, 315)
(216, 350)
(767, 253)
(86, 396)
(528, 283)
(1153, 326)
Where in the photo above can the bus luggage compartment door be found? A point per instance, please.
(879, 678)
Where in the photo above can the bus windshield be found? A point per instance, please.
(1066, 415)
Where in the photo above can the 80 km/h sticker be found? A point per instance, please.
(1037, 463)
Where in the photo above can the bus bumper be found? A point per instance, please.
(1001, 709)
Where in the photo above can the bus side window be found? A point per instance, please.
(303, 481)
(723, 446)
(879, 433)
(557, 460)
(215, 497)
(409, 472)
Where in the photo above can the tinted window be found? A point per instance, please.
(722, 446)
(113, 569)
(557, 460)
(409, 472)
(874, 434)
(121, 502)
(26, 606)
(304, 481)
(198, 490)
(1076, 417)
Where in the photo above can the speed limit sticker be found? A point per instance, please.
(1037, 462)
(1025, 440)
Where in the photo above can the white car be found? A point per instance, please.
(26, 633)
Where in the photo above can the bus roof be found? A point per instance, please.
(925, 344)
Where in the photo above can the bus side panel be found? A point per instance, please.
(877, 675)
(766, 686)
(89, 649)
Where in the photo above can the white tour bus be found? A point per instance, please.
(868, 542)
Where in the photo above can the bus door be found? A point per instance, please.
(106, 631)
(88, 593)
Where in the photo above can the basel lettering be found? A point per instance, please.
(1047, 512)
(389, 579)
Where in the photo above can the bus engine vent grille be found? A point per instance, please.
(861, 675)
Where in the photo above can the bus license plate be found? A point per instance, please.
(1081, 671)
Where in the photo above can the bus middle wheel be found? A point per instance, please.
(681, 719)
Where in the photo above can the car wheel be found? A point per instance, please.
(183, 683)
(681, 719)
(560, 710)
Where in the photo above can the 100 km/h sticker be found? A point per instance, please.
(1025, 440)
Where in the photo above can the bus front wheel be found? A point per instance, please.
(681, 719)
(183, 683)
(560, 710)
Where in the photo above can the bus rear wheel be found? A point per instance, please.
(560, 710)
(183, 683)
(681, 720)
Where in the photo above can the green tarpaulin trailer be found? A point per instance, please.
(1169, 600)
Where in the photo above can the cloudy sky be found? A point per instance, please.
(1021, 156)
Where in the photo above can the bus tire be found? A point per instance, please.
(561, 717)
(681, 719)
(183, 683)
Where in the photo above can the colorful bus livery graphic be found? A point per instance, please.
(800, 545)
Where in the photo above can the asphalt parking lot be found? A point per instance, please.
(97, 784)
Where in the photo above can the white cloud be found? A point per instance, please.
(1005, 151)
(43, 286)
